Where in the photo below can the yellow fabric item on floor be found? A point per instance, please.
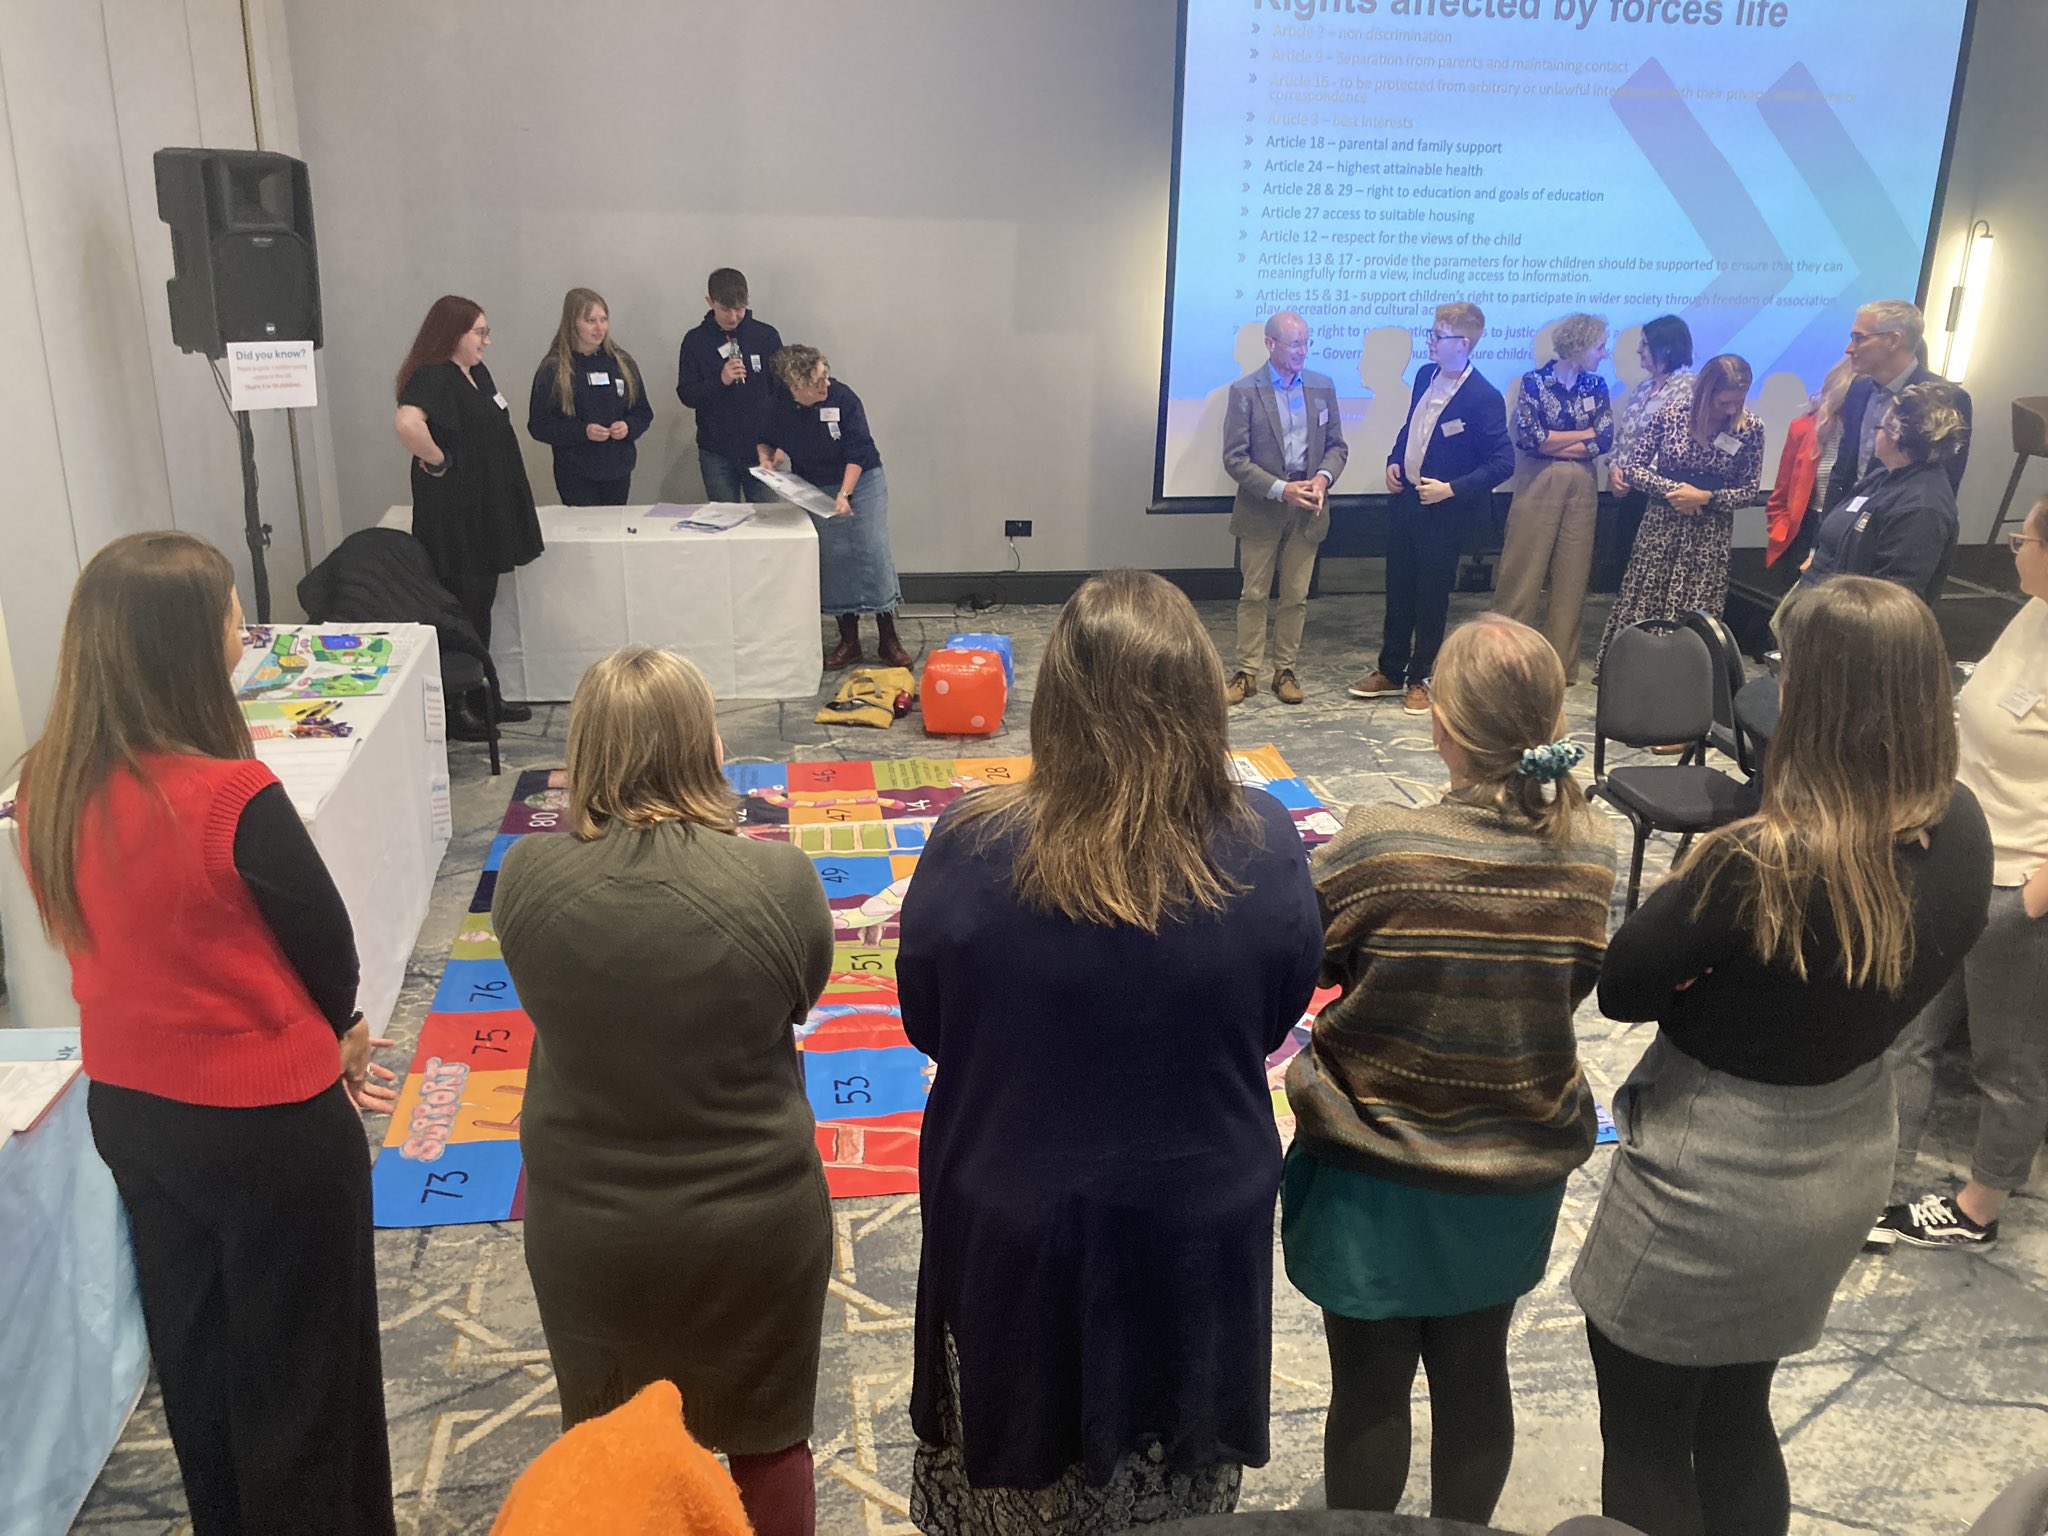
(633, 1472)
(868, 697)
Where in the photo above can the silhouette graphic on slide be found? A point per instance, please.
(1195, 467)
(1372, 421)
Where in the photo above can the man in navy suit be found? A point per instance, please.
(1451, 453)
(1884, 349)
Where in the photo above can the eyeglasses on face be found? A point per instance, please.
(2017, 541)
(1857, 338)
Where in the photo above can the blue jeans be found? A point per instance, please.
(729, 480)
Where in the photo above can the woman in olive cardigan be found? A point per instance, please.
(677, 1223)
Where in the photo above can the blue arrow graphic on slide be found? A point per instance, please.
(1847, 190)
(1752, 266)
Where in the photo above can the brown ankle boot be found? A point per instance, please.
(847, 651)
(887, 646)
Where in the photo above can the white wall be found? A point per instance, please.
(111, 428)
(1999, 174)
(965, 206)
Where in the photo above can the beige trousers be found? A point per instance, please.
(1550, 535)
(1293, 554)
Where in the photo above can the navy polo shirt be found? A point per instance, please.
(822, 439)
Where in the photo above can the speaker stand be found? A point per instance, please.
(257, 530)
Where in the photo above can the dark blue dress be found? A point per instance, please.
(1099, 1161)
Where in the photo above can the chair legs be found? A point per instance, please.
(2019, 466)
(491, 724)
(1635, 865)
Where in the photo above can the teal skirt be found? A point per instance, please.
(1370, 1248)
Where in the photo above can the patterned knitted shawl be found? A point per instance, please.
(1463, 942)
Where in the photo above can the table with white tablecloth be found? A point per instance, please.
(376, 803)
(73, 1353)
(742, 603)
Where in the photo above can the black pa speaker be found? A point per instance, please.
(244, 266)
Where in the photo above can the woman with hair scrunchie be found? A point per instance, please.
(1440, 1106)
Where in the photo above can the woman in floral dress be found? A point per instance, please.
(1698, 461)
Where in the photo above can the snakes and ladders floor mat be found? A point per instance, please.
(452, 1152)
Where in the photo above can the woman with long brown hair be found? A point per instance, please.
(471, 505)
(1098, 960)
(1440, 1106)
(590, 405)
(677, 1227)
(215, 972)
(1699, 461)
(1780, 962)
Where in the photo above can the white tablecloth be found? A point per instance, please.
(741, 604)
(73, 1355)
(379, 814)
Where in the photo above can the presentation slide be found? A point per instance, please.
(1758, 167)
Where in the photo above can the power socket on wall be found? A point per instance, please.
(1016, 527)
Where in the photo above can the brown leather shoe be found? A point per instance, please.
(1241, 686)
(1417, 701)
(1374, 685)
(1285, 688)
(887, 646)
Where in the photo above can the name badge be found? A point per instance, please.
(1855, 504)
(729, 349)
(1728, 442)
(597, 378)
(499, 398)
(828, 413)
(2018, 702)
(1322, 416)
(1450, 428)
(755, 359)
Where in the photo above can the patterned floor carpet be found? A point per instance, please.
(1929, 1393)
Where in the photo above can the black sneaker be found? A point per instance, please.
(1935, 1222)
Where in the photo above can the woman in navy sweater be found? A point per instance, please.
(1099, 961)
(589, 405)
(817, 428)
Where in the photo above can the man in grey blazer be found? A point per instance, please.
(1283, 443)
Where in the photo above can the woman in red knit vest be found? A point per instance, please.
(215, 972)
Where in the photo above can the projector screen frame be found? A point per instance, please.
(1163, 505)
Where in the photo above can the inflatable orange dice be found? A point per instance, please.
(963, 693)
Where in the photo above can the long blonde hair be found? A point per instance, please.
(643, 746)
(141, 668)
(1130, 777)
(1863, 759)
(1827, 405)
(1498, 691)
(577, 303)
(1716, 374)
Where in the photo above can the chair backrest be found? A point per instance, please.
(2030, 426)
(1656, 686)
(1727, 657)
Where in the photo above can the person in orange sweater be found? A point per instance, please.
(215, 972)
(1808, 458)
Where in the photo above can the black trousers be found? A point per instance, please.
(477, 593)
(256, 1263)
(576, 491)
(1423, 544)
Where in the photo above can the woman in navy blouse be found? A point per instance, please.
(589, 405)
(817, 428)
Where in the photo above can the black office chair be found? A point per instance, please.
(384, 576)
(1656, 687)
(1725, 735)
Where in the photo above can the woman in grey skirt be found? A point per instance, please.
(1779, 961)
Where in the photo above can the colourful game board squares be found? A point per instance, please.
(452, 1152)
